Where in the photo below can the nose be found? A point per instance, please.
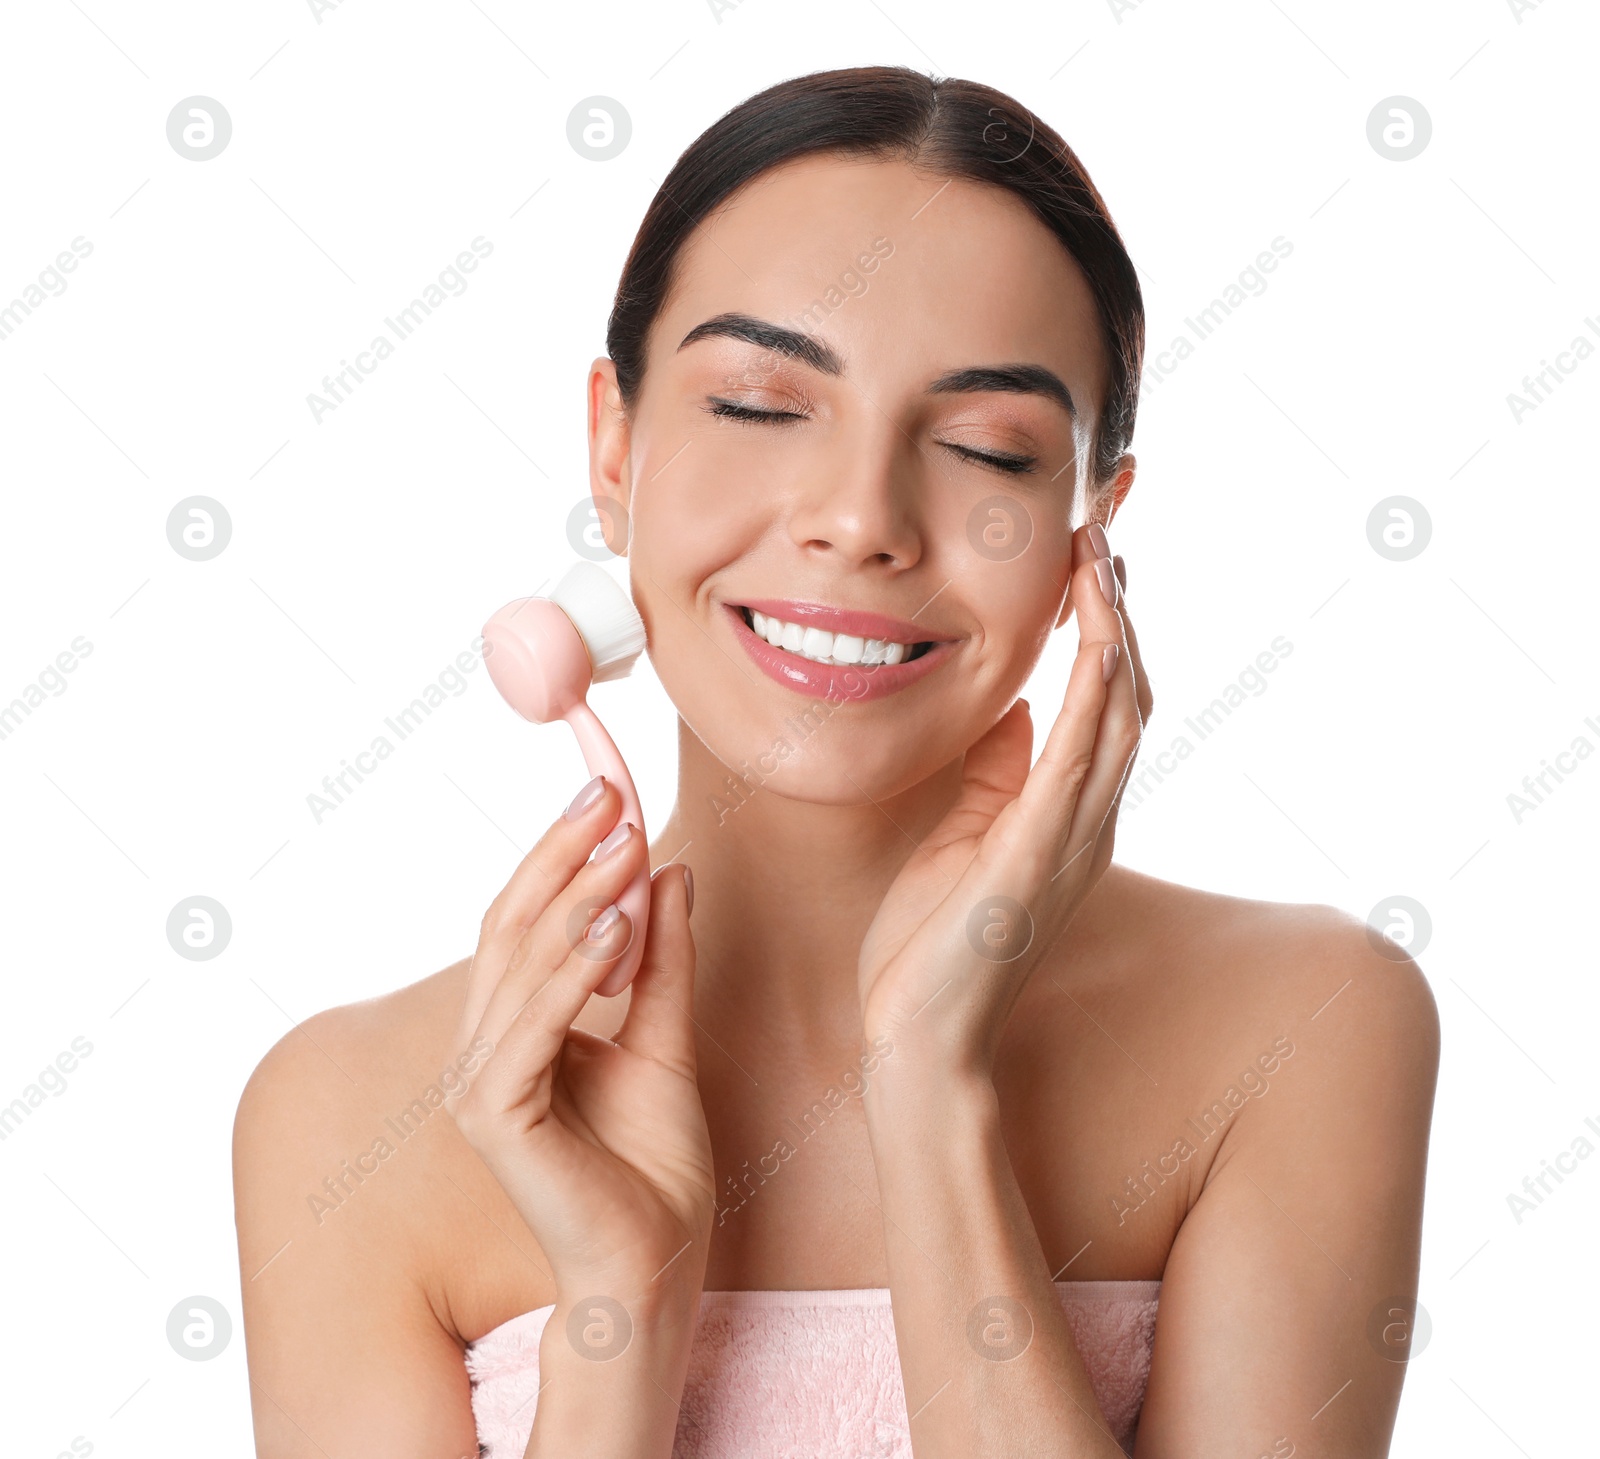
(862, 508)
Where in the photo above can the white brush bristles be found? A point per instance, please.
(601, 610)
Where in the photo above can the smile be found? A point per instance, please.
(836, 653)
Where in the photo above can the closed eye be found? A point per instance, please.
(1010, 464)
(733, 410)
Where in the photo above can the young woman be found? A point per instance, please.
(939, 1133)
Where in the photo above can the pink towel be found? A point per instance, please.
(807, 1375)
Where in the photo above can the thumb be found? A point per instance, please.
(992, 776)
(658, 1024)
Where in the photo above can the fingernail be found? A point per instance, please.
(585, 798)
(688, 886)
(1108, 662)
(602, 924)
(1121, 570)
(614, 842)
(1107, 580)
(1097, 540)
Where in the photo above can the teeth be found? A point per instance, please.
(823, 647)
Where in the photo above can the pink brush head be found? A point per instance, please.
(543, 654)
(537, 659)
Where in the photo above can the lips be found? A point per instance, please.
(846, 620)
(840, 681)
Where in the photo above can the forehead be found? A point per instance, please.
(961, 272)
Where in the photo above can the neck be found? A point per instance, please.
(784, 892)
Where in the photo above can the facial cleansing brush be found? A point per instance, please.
(543, 654)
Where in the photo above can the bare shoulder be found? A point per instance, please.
(1200, 1024)
(348, 1329)
(1297, 1055)
(1246, 963)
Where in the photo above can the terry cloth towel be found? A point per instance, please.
(810, 1375)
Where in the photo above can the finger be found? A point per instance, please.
(658, 1024)
(566, 930)
(1117, 734)
(1100, 617)
(537, 881)
(1141, 681)
(528, 1041)
(1051, 793)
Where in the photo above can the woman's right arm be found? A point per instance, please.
(600, 1145)
(347, 1355)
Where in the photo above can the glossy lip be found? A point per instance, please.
(859, 623)
(837, 682)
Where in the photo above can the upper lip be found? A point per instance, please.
(856, 622)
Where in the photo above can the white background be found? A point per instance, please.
(372, 146)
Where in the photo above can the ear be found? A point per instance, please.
(610, 475)
(1111, 499)
(1105, 504)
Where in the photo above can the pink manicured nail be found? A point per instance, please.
(614, 842)
(585, 798)
(688, 886)
(602, 924)
(1107, 580)
(1097, 540)
(1108, 661)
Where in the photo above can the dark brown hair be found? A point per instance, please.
(959, 128)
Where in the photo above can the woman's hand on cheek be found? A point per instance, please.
(988, 894)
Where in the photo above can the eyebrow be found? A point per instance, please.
(1016, 379)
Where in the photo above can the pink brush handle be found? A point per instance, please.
(602, 757)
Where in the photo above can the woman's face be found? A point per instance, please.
(866, 415)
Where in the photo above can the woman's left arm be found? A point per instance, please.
(989, 1363)
(1287, 1301)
